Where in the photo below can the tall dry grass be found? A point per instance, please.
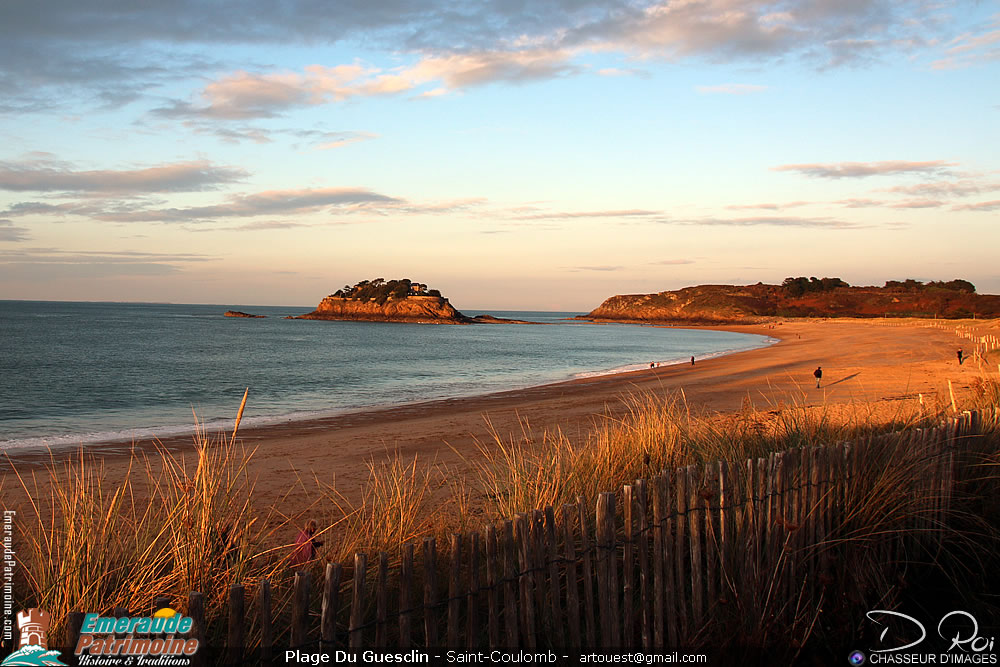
(176, 522)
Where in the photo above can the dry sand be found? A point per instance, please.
(862, 361)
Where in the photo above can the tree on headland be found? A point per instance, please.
(911, 285)
(802, 285)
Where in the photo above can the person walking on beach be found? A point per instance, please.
(960, 357)
(692, 361)
(305, 545)
(818, 374)
(652, 365)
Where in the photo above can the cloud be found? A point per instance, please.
(972, 48)
(595, 268)
(860, 203)
(8, 232)
(331, 140)
(45, 174)
(960, 188)
(918, 203)
(777, 221)
(768, 206)
(865, 169)
(563, 215)
(980, 206)
(270, 202)
(731, 89)
(673, 262)
(41, 264)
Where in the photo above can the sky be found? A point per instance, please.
(514, 154)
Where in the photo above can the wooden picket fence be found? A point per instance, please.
(647, 567)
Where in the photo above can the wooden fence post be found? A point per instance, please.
(236, 636)
(628, 569)
(266, 630)
(572, 586)
(382, 601)
(356, 632)
(472, 599)
(300, 609)
(196, 610)
(658, 554)
(330, 605)
(405, 589)
(645, 578)
(696, 523)
(511, 612)
(680, 551)
(454, 584)
(590, 614)
(556, 622)
(493, 582)
(522, 536)
(430, 593)
(607, 569)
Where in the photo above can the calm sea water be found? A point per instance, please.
(73, 373)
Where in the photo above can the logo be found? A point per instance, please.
(856, 658)
(119, 638)
(33, 643)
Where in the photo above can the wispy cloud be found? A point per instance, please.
(565, 215)
(860, 203)
(595, 268)
(768, 206)
(777, 221)
(866, 169)
(972, 48)
(918, 203)
(9, 232)
(43, 173)
(673, 262)
(53, 263)
(731, 89)
(979, 206)
(959, 188)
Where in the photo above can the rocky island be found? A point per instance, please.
(387, 301)
(239, 313)
(799, 297)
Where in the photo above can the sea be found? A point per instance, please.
(76, 373)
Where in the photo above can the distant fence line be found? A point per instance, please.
(645, 568)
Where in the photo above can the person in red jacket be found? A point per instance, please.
(305, 545)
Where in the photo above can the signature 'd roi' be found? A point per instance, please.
(962, 631)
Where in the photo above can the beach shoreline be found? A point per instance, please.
(863, 360)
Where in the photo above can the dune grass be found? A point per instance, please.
(178, 523)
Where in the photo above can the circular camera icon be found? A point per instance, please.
(856, 658)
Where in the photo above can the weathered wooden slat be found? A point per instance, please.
(196, 610)
(589, 609)
(405, 596)
(356, 636)
(708, 500)
(537, 559)
(300, 609)
(556, 622)
(382, 601)
(607, 570)
(236, 634)
(74, 626)
(572, 587)
(680, 552)
(522, 537)
(266, 627)
(454, 591)
(645, 573)
(472, 630)
(430, 593)
(511, 612)
(695, 525)
(493, 583)
(330, 605)
(729, 497)
(672, 601)
(628, 569)
(658, 555)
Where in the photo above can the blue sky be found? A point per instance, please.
(537, 155)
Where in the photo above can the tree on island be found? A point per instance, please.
(380, 290)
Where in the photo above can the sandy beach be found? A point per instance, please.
(863, 360)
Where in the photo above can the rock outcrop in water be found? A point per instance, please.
(239, 313)
(728, 304)
(392, 301)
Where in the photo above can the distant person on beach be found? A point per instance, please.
(818, 374)
(960, 357)
(305, 545)
(692, 361)
(652, 365)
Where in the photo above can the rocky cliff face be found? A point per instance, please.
(727, 304)
(431, 309)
